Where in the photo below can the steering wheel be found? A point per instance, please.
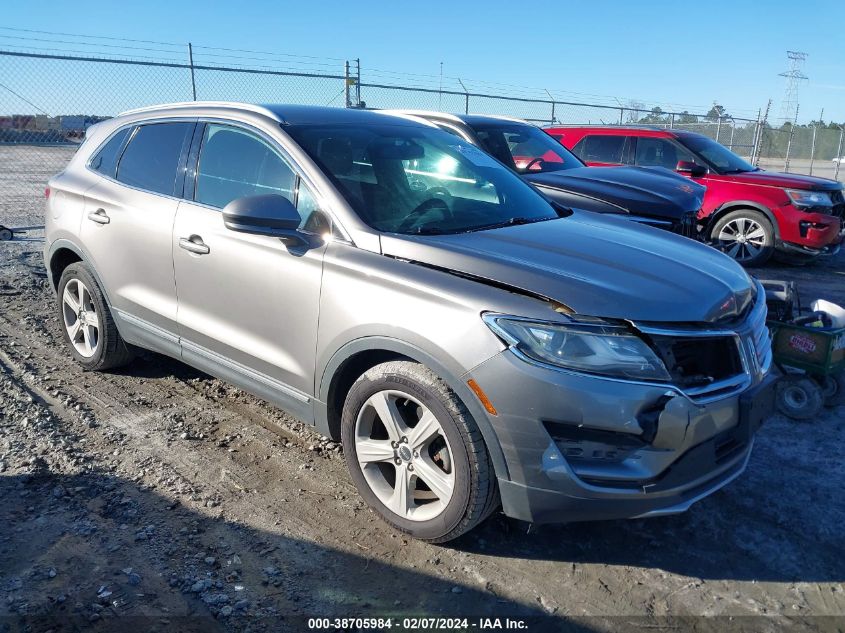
(422, 209)
(532, 162)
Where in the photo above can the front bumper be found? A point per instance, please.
(574, 449)
(810, 233)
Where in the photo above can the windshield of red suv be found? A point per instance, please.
(524, 148)
(420, 180)
(719, 156)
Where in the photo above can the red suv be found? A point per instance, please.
(747, 212)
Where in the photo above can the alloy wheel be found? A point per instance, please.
(80, 318)
(743, 239)
(404, 455)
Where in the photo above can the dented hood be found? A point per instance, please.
(598, 265)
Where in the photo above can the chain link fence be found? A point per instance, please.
(47, 101)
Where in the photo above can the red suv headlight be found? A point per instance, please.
(805, 199)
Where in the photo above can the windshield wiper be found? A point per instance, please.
(430, 230)
(509, 222)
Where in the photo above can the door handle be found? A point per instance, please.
(99, 216)
(194, 244)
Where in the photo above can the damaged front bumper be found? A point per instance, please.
(584, 448)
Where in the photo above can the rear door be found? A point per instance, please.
(128, 223)
(248, 305)
(653, 151)
(603, 150)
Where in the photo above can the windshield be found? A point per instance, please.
(524, 148)
(723, 159)
(419, 180)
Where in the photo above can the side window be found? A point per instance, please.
(578, 150)
(105, 161)
(659, 152)
(603, 148)
(235, 163)
(151, 159)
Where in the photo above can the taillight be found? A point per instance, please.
(46, 192)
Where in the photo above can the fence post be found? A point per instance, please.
(718, 127)
(838, 155)
(466, 96)
(358, 102)
(731, 141)
(671, 120)
(789, 141)
(346, 79)
(813, 149)
(191, 63)
(621, 115)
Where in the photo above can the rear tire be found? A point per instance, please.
(448, 479)
(746, 236)
(87, 324)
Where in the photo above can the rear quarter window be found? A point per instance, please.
(151, 160)
(105, 161)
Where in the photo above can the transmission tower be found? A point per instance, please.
(794, 77)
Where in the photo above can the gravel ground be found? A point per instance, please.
(159, 496)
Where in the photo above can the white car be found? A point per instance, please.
(839, 161)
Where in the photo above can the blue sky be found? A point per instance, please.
(679, 54)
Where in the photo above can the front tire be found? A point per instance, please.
(799, 397)
(745, 235)
(87, 324)
(415, 453)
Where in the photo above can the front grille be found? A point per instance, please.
(688, 226)
(699, 361)
(710, 365)
(838, 199)
(760, 337)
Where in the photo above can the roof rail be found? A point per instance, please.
(235, 105)
(638, 126)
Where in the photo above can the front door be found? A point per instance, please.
(247, 304)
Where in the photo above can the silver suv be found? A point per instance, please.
(470, 343)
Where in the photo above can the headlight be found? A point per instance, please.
(601, 349)
(803, 198)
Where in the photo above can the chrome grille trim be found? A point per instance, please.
(753, 343)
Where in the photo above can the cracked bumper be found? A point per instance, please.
(574, 447)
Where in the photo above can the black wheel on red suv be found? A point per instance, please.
(745, 235)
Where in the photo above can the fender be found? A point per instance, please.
(733, 205)
(413, 352)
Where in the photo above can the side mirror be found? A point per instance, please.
(689, 167)
(271, 214)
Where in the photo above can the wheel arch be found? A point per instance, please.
(61, 254)
(359, 355)
(737, 205)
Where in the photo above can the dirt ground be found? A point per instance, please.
(159, 498)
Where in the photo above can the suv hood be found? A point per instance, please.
(638, 190)
(598, 265)
(777, 179)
